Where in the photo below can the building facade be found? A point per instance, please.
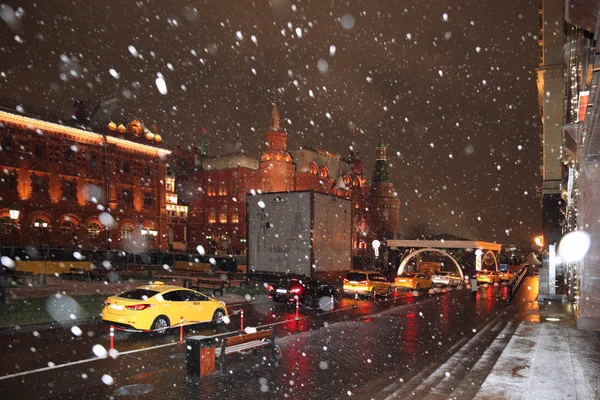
(216, 188)
(75, 188)
(569, 30)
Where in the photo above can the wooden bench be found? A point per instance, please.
(215, 284)
(201, 352)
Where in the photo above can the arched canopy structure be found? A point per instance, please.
(429, 249)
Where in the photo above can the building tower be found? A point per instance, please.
(385, 205)
(276, 169)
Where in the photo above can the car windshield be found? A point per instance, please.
(138, 294)
(356, 276)
(440, 273)
(407, 275)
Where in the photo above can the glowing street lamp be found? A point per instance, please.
(539, 241)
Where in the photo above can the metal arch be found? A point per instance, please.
(494, 256)
(416, 252)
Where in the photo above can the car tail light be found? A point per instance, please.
(270, 288)
(346, 280)
(139, 307)
(296, 290)
(364, 283)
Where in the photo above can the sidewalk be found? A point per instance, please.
(547, 358)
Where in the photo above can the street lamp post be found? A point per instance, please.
(150, 235)
(14, 216)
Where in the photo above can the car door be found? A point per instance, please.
(198, 307)
(173, 306)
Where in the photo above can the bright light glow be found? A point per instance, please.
(539, 241)
(573, 246)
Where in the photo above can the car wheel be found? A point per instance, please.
(218, 316)
(161, 324)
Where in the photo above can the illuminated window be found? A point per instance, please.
(94, 230)
(347, 179)
(212, 217)
(235, 216)
(223, 215)
(314, 169)
(68, 228)
(126, 196)
(222, 189)
(126, 232)
(324, 172)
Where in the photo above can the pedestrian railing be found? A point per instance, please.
(515, 283)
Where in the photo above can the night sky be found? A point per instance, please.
(450, 86)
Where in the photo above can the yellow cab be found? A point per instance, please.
(486, 276)
(158, 306)
(505, 276)
(413, 280)
(366, 283)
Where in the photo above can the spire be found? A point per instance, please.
(381, 150)
(354, 152)
(381, 173)
(275, 120)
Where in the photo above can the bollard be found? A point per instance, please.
(181, 330)
(355, 298)
(332, 303)
(112, 337)
(297, 318)
(241, 320)
(374, 295)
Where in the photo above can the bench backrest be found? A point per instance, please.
(248, 337)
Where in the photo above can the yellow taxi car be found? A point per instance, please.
(157, 307)
(413, 280)
(505, 276)
(366, 283)
(486, 276)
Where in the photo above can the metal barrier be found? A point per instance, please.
(515, 283)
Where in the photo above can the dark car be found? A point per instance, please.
(309, 291)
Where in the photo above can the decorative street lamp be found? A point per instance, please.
(150, 235)
(14, 216)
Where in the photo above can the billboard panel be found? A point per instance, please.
(332, 239)
(279, 237)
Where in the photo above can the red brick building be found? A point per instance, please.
(76, 188)
(215, 189)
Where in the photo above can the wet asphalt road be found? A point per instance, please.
(419, 327)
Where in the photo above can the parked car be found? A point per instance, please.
(505, 276)
(159, 306)
(486, 276)
(414, 281)
(366, 283)
(446, 278)
(309, 291)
